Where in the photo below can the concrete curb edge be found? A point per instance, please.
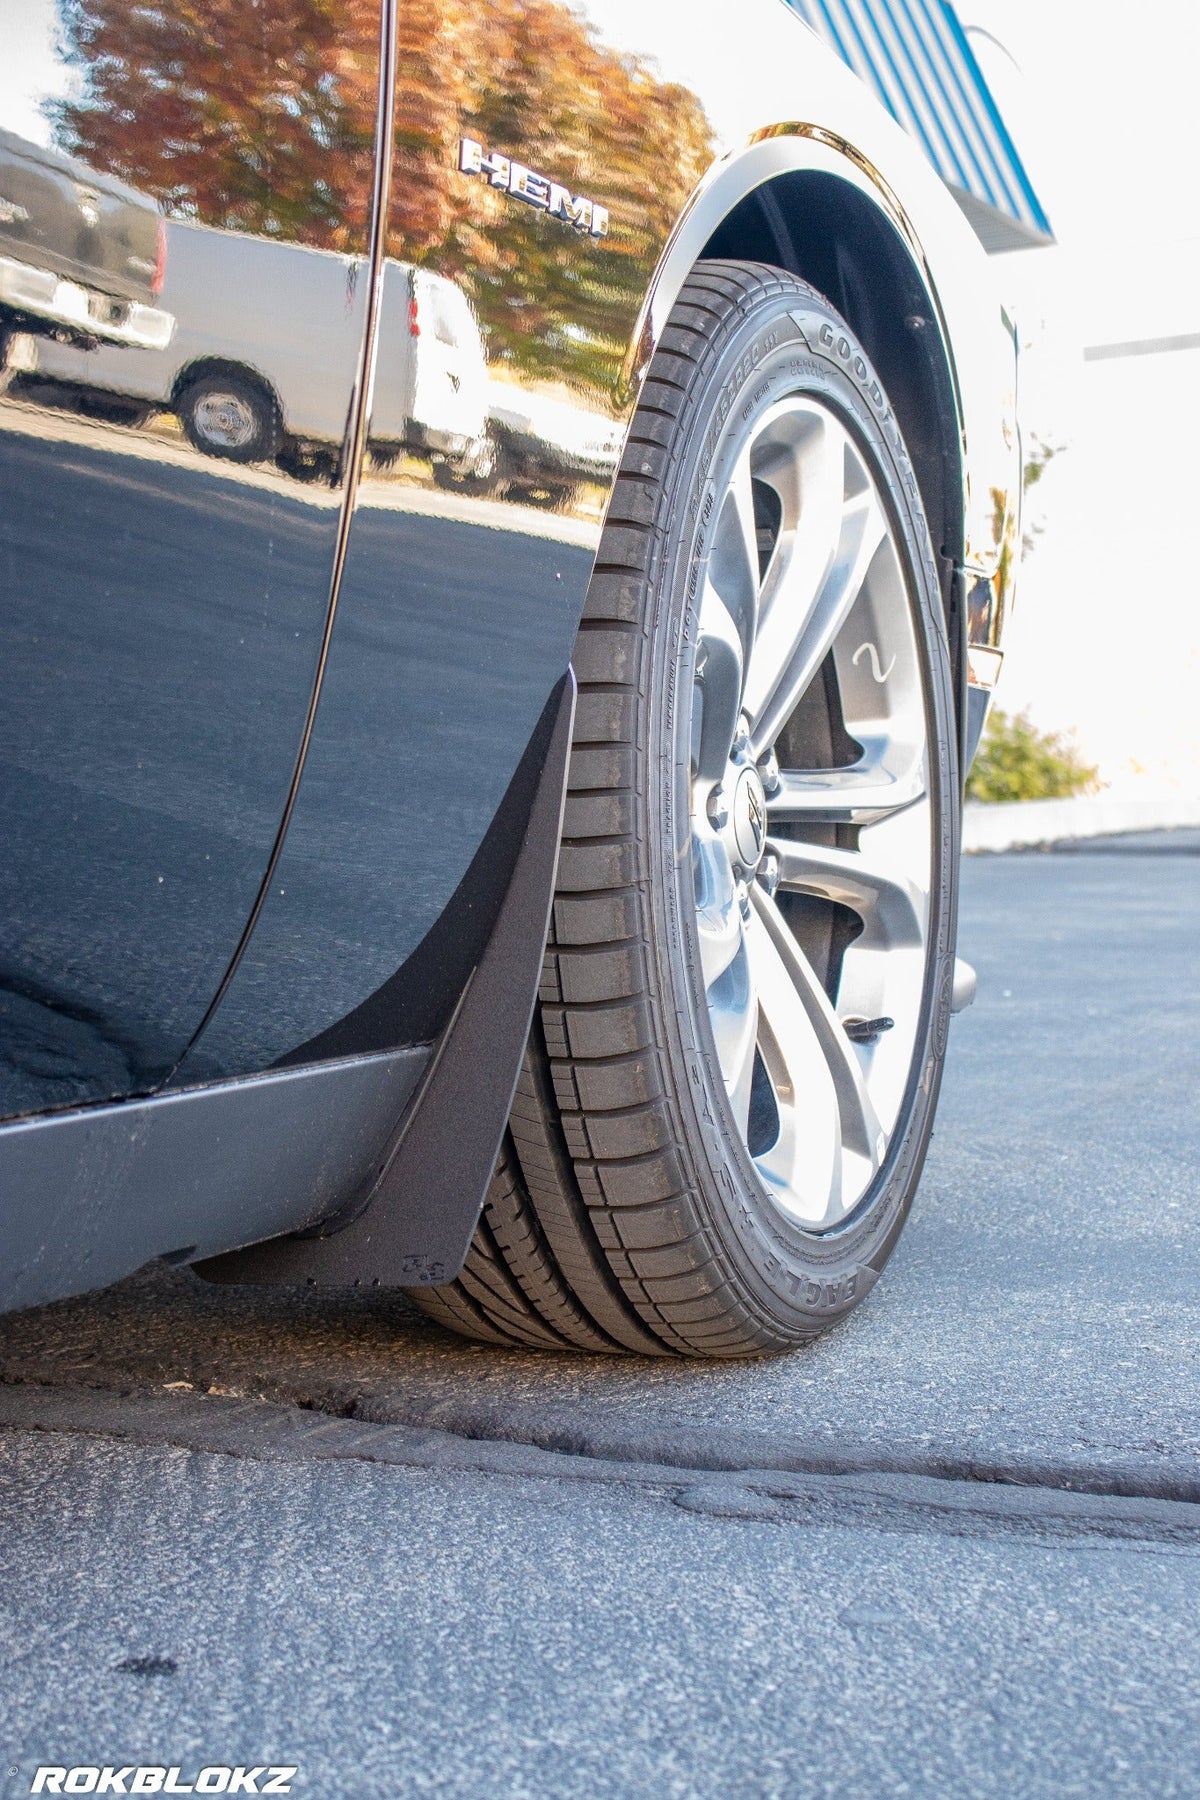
(1025, 824)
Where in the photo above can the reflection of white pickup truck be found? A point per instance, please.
(552, 440)
(265, 344)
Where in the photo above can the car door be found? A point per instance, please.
(172, 500)
(467, 561)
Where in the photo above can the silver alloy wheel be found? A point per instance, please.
(805, 616)
(224, 419)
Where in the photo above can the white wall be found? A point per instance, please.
(1106, 634)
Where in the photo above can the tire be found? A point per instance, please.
(731, 1077)
(553, 496)
(231, 415)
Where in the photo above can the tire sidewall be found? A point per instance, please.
(784, 340)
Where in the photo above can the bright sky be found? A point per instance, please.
(1104, 108)
(28, 65)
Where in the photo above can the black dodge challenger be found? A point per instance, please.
(506, 519)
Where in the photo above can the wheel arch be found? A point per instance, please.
(830, 234)
(803, 199)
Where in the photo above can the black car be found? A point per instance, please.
(537, 894)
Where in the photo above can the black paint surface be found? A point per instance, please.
(448, 641)
(160, 625)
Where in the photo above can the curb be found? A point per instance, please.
(1026, 824)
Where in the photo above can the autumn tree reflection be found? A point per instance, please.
(256, 117)
(259, 117)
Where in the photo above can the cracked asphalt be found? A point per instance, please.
(953, 1549)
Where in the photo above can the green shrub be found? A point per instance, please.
(1016, 761)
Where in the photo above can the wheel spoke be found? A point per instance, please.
(718, 914)
(733, 1009)
(733, 558)
(809, 480)
(890, 907)
(805, 1162)
(861, 1133)
(869, 790)
(719, 678)
(778, 678)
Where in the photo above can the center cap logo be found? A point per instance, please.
(750, 817)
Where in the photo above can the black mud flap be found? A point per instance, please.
(413, 1224)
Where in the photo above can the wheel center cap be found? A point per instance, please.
(749, 818)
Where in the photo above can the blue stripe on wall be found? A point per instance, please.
(916, 58)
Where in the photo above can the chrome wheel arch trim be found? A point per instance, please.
(975, 340)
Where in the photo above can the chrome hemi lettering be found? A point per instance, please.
(536, 190)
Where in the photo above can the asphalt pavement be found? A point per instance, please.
(952, 1549)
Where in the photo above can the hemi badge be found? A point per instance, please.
(536, 190)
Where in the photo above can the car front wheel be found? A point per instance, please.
(731, 1079)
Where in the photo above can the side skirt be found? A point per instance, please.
(88, 1196)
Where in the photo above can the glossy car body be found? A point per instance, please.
(284, 757)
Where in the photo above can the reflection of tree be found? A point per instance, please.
(253, 114)
(258, 114)
(542, 89)
(1039, 454)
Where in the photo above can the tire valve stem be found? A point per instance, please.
(866, 1031)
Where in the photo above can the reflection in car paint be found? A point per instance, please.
(446, 633)
(82, 255)
(163, 610)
